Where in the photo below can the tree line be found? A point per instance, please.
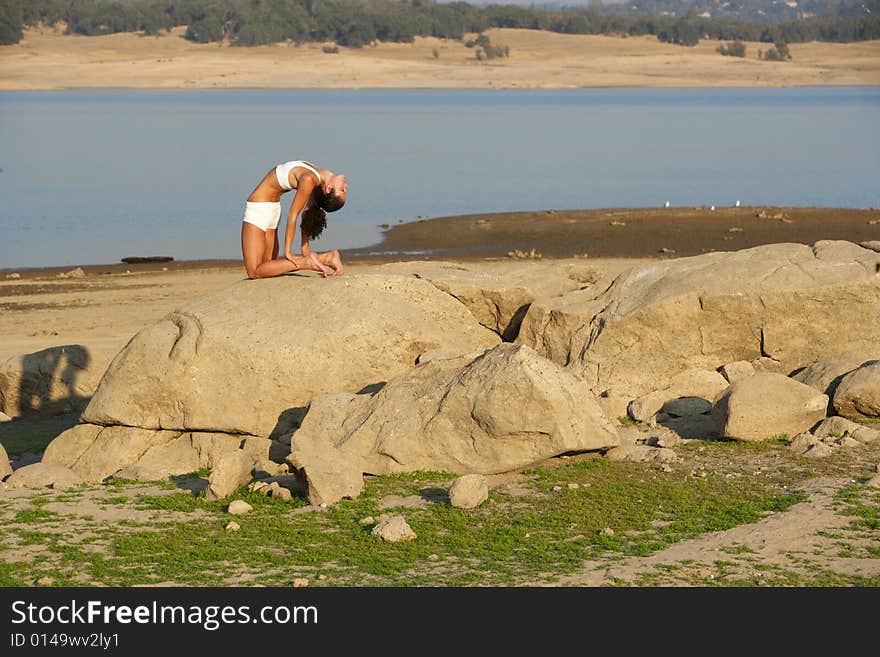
(356, 23)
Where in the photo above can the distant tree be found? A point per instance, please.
(735, 49)
(11, 20)
(778, 53)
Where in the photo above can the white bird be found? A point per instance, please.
(737, 203)
(712, 208)
(667, 204)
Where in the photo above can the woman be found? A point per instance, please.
(317, 191)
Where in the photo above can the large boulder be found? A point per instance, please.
(858, 395)
(54, 380)
(825, 375)
(503, 410)
(42, 475)
(234, 361)
(785, 305)
(94, 452)
(767, 405)
(499, 294)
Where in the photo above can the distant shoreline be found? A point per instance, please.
(46, 59)
(598, 233)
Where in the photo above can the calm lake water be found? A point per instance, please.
(91, 176)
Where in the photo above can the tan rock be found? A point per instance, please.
(780, 301)
(393, 529)
(210, 367)
(66, 448)
(231, 473)
(858, 395)
(469, 491)
(502, 411)
(866, 434)
(837, 426)
(239, 508)
(175, 457)
(497, 294)
(41, 475)
(825, 375)
(767, 405)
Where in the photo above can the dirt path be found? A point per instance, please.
(805, 537)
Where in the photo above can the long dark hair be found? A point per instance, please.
(314, 219)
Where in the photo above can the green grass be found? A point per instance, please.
(26, 516)
(511, 539)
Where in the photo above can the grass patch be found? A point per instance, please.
(27, 516)
(511, 539)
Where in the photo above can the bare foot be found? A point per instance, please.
(336, 263)
(313, 257)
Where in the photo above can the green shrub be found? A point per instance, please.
(735, 49)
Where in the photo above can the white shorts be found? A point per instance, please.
(264, 216)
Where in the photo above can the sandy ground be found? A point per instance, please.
(631, 233)
(48, 59)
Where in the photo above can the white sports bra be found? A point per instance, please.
(282, 172)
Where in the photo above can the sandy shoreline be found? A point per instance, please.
(47, 59)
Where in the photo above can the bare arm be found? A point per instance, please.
(303, 194)
(306, 249)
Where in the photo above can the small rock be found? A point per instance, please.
(233, 526)
(556, 489)
(322, 577)
(13, 276)
(818, 451)
(573, 486)
(239, 507)
(281, 493)
(666, 251)
(300, 582)
(873, 482)
(433, 557)
(45, 581)
(259, 486)
(469, 491)
(607, 531)
(666, 439)
(369, 520)
(665, 468)
(4, 417)
(393, 528)
(73, 273)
